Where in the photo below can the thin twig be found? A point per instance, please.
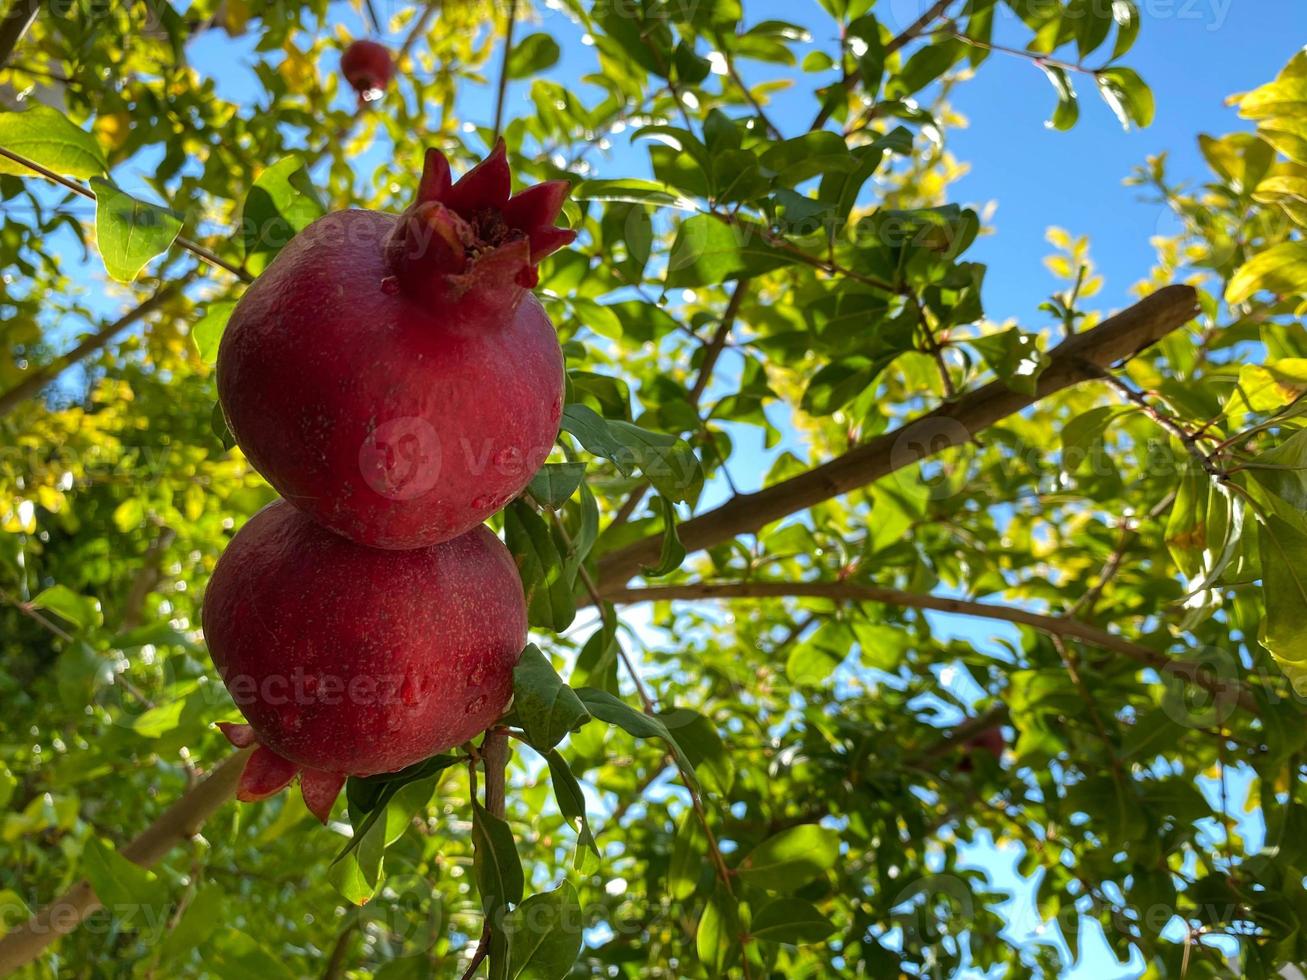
(502, 92)
(858, 592)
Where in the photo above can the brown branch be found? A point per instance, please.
(854, 591)
(179, 822)
(39, 377)
(146, 579)
(1077, 359)
(494, 756)
(339, 956)
(501, 92)
(20, 17)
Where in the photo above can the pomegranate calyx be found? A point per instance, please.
(472, 236)
(265, 774)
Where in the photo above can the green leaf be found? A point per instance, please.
(925, 66)
(630, 190)
(1127, 96)
(1015, 357)
(791, 162)
(673, 552)
(609, 708)
(532, 55)
(791, 920)
(1126, 15)
(838, 383)
(550, 604)
(791, 859)
(128, 232)
(123, 887)
(208, 330)
(1081, 434)
(667, 461)
(708, 252)
(1067, 112)
(704, 747)
(546, 707)
(571, 802)
(1284, 585)
(496, 865)
(544, 935)
(714, 940)
(357, 871)
(554, 483)
(1281, 270)
(46, 136)
(281, 203)
(689, 852)
(81, 611)
(203, 915)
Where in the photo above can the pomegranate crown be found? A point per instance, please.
(474, 233)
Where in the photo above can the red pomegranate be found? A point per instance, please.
(393, 375)
(368, 67)
(352, 661)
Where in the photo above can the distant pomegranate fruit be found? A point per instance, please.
(392, 375)
(368, 67)
(353, 661)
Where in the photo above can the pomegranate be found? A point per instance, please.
(392, 375)
(368, 67)
(348, 660)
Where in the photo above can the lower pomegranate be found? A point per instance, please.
(352, 661)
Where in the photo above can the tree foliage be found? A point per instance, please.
(773, 769)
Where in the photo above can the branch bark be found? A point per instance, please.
(183, 819)
(1079, 358)
(42, 376)
(15, 25)
(1057, 626)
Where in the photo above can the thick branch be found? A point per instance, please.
(1075, 360)
(15, 25)
(38, 378)
(180, 821)
(1057, 626)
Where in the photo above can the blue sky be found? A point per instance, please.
(1194, 53)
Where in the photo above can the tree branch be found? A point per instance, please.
(1077, 359)
(856, 591)
(15, 25)
(501, 93)
(42, 376)
(180, 821)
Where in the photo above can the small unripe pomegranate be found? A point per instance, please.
(368, 67)
(350, 661)
(393, 375)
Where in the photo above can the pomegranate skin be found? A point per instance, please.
(368, 67)
(394, 421)
(352, 661)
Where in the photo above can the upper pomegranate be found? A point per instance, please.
(368, 67)
(348, 661)
(392, 375)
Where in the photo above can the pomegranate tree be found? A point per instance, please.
(348, 660)
(392, 375)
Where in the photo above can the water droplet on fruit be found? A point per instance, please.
(394, 722)
(390, 285)
(475, 705)
(558, 407)
(290, 717)
(484, 502)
